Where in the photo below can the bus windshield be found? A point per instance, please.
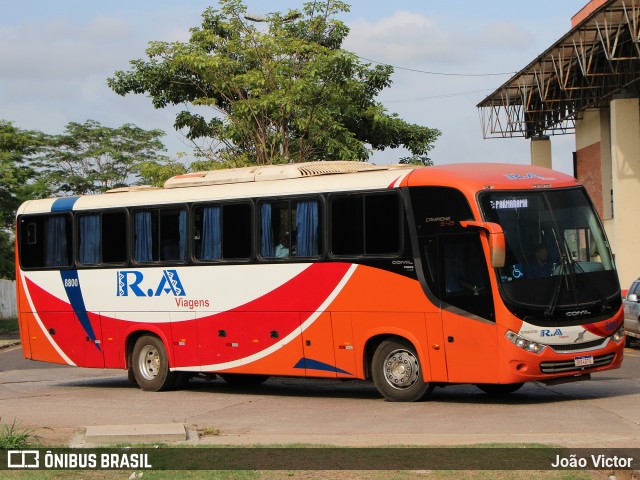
(558, 260)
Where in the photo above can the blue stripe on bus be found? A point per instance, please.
(64, 204)
(71, 284)
(316, 365)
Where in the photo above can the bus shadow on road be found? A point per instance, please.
(529, 394)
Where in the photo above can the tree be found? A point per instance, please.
(19, 181)
(155, 173)
(90, 158)
(289, 93)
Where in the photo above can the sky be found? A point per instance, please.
(55, 58)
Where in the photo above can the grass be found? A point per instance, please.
(14, 437)
(9, 325)
(301, 475)
(208, 431)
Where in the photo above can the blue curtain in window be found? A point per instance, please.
(182, 231)
(307, 229)
(211, 234)
(56, 250)
(90, 235)
(266, 232)
(144, 237)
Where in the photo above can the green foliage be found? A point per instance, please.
(12, 436)
(18, 176)
(287, 93)
(7, 256)
(91, 158)
(155, 173)
(19, 181)
(9, 325)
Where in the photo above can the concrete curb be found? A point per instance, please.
(9, 343)
(145, 433)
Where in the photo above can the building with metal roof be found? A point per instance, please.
(586, 83)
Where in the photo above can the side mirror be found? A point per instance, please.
(497, 245)
(632, 297)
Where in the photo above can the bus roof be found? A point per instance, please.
(475, 177)
(306, 178)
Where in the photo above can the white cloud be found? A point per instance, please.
(404, 37)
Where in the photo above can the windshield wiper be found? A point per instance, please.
(567, 268)
(564, 266)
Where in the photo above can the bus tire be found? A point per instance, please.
(243, 380)
(499, 389)
(397, 372)
(131, 378)
(150, 365)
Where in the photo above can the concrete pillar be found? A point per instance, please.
(625, 156)
(541, 151)
(593, 155)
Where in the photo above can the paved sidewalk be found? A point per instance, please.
(9, 339)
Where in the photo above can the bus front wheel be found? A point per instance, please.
(151, 365)
(397, 373)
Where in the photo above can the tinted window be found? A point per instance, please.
(45, 241)
(222, 231)
(160, 234)
(102, 238)
(458, 272)
(439, 209)
(366, 224)
(290, 229)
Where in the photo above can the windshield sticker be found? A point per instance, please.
(509, 204)
(526, 176)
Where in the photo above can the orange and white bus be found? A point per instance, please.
(488, 274)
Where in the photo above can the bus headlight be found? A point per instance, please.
(523, 343)
(619, 335)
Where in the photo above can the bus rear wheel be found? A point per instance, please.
(150, 365)
(397, 373)
(499, 389)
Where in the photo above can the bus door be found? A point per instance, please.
(328, 346)
(458, 275)
(317, 342)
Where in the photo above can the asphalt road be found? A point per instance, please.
(602, 412)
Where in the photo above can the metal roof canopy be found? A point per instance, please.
(597, 59)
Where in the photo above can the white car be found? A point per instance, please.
(632, 312)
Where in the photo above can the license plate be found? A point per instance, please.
(583, 361)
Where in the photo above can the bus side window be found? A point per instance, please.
(45, 241)
(465, 278)
(237, 231)
(290, 229)
(173, 234)
(102, 238)
(366, 224)
(160, 234)
(222, 232)
(347, 225)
